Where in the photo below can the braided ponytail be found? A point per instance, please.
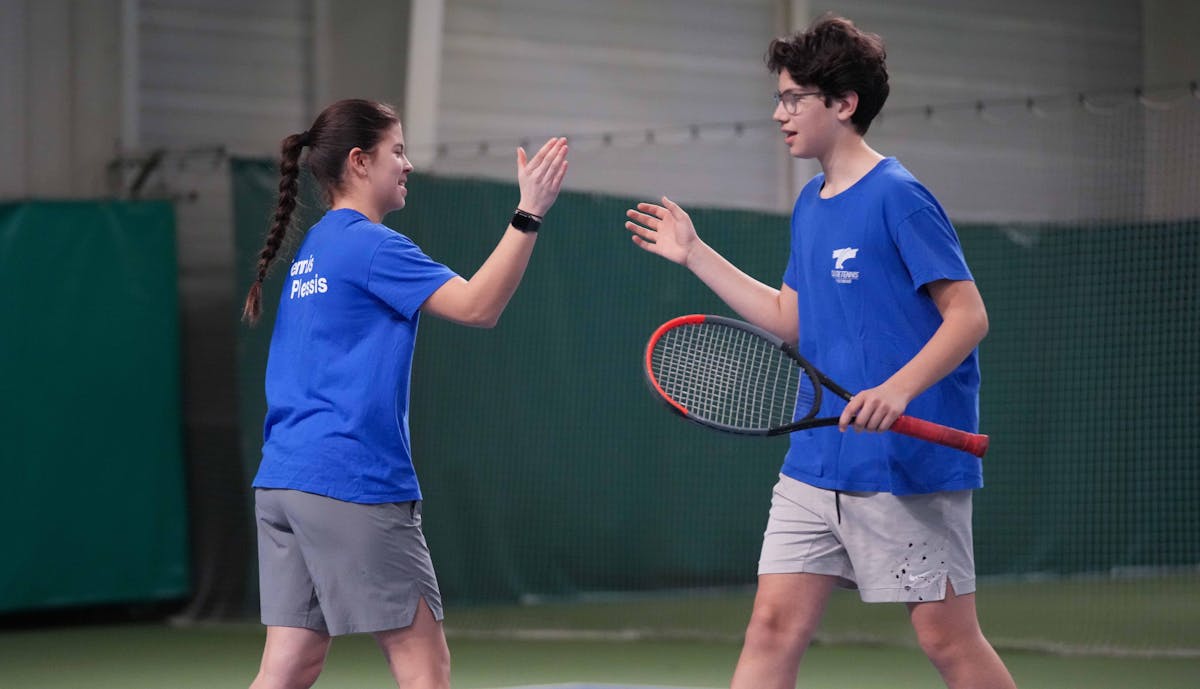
(289, 188)
(340, 128)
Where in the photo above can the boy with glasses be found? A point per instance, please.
(877, 294)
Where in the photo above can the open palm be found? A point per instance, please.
(540, 178)
(665, 230)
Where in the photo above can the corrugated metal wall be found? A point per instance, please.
(60, 98)
(217, 73)
(516, 69)
(1006, 162)
(223, 71)
(530, 69)
(651, 75)
(216, 77)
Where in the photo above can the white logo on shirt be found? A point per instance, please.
(314, 285)
(840, 275)
(843, 255)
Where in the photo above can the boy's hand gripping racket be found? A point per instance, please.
(735, 377)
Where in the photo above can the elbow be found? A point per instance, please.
(482, 320)
(458, 302)
(969, 326)
(480, 313)
(981, 326)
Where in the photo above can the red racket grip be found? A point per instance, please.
(975, 443)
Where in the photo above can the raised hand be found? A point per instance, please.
(665, 230)
(541, 177)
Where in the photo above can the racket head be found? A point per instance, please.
(729, 375)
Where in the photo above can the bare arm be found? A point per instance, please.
(479, 301)
(667, 230)
(964, 325)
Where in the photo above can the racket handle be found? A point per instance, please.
(975, 443)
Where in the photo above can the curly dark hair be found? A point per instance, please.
(835, 56)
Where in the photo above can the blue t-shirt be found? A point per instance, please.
(340, 362)
(859, 262)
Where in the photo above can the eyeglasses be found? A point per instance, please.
(791, 99)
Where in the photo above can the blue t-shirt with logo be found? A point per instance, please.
(859, 263)
(340, 361)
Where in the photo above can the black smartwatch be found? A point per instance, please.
(525, 222)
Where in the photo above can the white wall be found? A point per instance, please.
(527, 69)
(222, 71)
(1172, 56)
(361, 51)
(516, 70)
(240, 75)
(60, 96)
(1008, 165)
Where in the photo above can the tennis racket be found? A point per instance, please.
(735, 377)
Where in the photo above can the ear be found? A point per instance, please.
(847, 105)
(357, 162)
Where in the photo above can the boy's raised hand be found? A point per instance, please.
(665, 230)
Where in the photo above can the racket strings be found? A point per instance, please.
(729, 376)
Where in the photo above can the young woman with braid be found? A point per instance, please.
(337, 502)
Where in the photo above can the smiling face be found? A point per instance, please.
(387, 171)
(811, 131)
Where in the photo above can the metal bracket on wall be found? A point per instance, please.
(158, 173)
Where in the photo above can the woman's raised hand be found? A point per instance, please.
(540, 178)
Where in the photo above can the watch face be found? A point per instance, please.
(525, 222)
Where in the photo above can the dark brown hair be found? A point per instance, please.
(836, 57)
(340, 128)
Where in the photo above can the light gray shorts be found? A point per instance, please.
(891, 548)
(340, 567)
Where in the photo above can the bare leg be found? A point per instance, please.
(787, 611)
(292, 658)
(949, 633)
(417, 655)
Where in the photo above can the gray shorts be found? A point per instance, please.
(340, 567)
(891, 548)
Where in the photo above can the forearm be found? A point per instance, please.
(478, 302)
(960, 332)
(964, 325)
(493, 285)
(754, 301)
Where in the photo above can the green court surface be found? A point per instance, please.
(1089, 634)
(1136, 616)
(141, 657)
